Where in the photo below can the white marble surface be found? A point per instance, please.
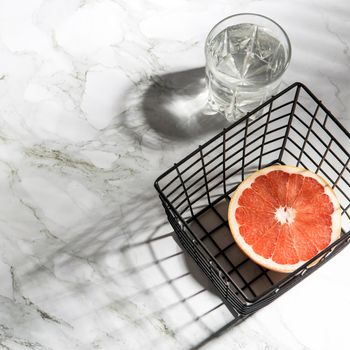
(95, 102)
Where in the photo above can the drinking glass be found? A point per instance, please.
(246, 56)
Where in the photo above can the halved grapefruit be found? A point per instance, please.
(282, 216)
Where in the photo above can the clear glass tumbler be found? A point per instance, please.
(246, 56)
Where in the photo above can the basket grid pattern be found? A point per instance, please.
(292, 128)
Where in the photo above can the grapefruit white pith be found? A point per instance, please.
(282, 216)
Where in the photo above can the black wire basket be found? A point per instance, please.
(292, 128)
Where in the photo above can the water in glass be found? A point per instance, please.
(244, 64)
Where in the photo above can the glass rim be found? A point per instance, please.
(256, 15)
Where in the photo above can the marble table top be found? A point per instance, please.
(97, 98)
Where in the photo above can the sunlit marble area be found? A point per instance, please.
(98, 98)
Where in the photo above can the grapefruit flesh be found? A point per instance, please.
(282, 216)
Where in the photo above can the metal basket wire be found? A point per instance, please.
(292, 128)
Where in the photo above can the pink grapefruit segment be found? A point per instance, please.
(282, 216)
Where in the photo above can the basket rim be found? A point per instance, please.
(224, 130)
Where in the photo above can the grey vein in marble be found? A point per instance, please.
(97, 98)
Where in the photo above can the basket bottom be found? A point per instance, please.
(211, 227)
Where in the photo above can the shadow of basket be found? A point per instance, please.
(190, 310)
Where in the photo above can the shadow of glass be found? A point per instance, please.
(173, 108)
